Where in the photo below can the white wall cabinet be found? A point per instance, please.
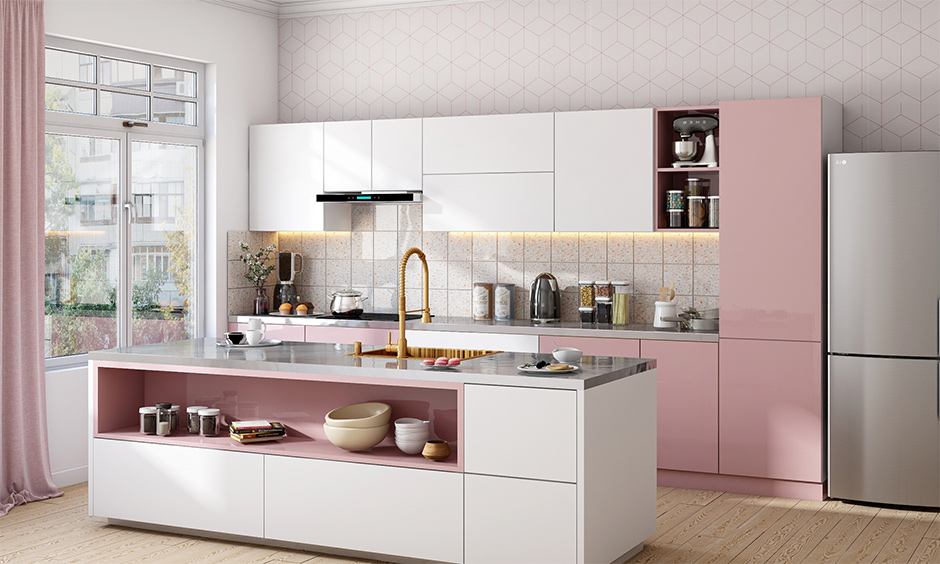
(196, 488)
(285, 174)
(493, 143)
(488, 202)
(500, 422)
(515, 521)
(401, 511)
(604, 170)
(396, 154)
(347, 152)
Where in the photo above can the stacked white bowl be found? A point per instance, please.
(359, 426)
(411, 434)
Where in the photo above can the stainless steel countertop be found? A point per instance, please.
(519, 327)
(308, 360)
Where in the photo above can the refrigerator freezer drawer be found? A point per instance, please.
(884, 430)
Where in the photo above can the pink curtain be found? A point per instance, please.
(24, 451)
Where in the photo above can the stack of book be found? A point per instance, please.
(255, 431)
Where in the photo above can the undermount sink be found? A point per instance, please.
(428, 352)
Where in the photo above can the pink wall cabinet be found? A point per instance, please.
(594, 346)
(686, 404)
(773, 189)
(771, 410)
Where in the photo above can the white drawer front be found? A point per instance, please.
(521, 432)
(384, 509)
(194, 488)
(516, 521)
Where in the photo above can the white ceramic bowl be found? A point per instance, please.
(410, 423)
(422, 436)
(567, 355)
(410, 447)
(355, 438)
(360, 415)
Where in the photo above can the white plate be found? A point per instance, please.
(545, 370)
(264, 343)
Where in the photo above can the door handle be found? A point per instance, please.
(131, 210)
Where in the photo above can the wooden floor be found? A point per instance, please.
(692, 526)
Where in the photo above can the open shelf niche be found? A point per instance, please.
(669, 178)
(300, 404)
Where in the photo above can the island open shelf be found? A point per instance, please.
(299, 401)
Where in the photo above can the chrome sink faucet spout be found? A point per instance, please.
(426, 310)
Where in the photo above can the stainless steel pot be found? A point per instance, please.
(347, 303)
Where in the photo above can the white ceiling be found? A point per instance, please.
(307, 8)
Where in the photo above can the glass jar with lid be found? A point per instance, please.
(621, 313)
(209, 421)
(192, 418)
(163, 418)
(148, 420)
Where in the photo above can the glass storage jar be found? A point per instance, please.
(603, 289)
(209, 421)
(697, 187)
(621, 314)
(698, 214)
(174, 417)
(192, 418)
(163, 418)
(604, 310)
(148, 420)
(713, 212)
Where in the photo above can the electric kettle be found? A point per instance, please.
(544, 299)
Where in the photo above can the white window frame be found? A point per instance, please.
(111, 127)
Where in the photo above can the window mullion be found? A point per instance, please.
(125, 310)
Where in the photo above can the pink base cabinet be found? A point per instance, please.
(686, 404)
(771, 405)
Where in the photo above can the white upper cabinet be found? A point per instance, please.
(396, 154)
(285, 174)
(495, 143)
(488, 202)
(347, 150)
(604, 170)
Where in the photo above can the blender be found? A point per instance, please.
(687, 147)
(289, 265)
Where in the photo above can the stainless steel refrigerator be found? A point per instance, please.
(884, 302)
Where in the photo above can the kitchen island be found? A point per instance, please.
(545, 468)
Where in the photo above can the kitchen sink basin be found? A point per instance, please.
(428, 352)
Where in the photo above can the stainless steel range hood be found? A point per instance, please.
(369, 197)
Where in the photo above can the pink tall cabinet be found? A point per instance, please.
(773, 283)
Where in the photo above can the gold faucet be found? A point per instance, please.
(426, 315)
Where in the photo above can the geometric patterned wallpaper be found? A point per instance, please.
(879, 58)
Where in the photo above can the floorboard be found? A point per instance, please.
(693, 527)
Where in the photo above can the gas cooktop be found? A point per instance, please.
(373, 316)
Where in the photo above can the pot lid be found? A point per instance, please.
(347, 293)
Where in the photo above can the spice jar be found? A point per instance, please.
(174, 417)
(675, 218)
(148, 420)
(209, 421)
(675, 200)
(621, 314)
(482, 300)
(504, 301)
(192, 418)
(698, 215)
(163, 418)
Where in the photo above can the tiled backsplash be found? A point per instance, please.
(368, 257)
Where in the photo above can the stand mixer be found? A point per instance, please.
(686, 148)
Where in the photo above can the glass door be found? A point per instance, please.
(162, 209)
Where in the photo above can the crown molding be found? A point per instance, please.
(285, 9)
(310, 8)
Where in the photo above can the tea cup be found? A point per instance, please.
(234, 337)
(254, 336)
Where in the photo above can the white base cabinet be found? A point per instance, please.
(400, 511)
(193, 488)
(516, 521)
